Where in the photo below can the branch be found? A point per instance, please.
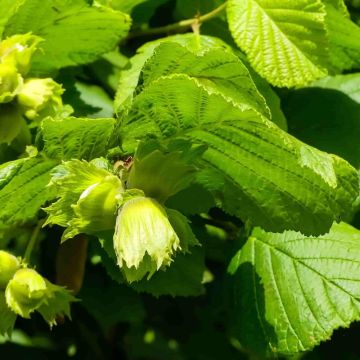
(181, 25)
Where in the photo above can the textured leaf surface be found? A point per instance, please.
(129, 79)
(23, 189)
(219, 70)
(285, 41)
(295, 290)
(74, 32)
(76, 138)
(344, 38)
(263, 173)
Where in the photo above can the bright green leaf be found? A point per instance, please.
(285, 41)
(219, 70)
(11, 6)
(78, 138)
(23, 189)
(344, 38)
(292, 291)
(129, 78)
(261, 171)
(97, 29)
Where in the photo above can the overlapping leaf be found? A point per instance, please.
(344, 37)
(216, 69)
(182, 278)
(262, 173)
(76, 138)
(292, 291)
(349, 84)
(285, 41)
(74, 32)
(8, 8)
(316, 116)
(23, 189)
(129, 79)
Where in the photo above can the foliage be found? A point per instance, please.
(181, 177)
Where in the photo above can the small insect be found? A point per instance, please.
(124, 164)
(128, 162)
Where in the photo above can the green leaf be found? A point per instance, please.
(181, 225)
(261, 172)
(129, 79)
(344, 36)
(110, 302)
(183, 277)
(348, 84)
(316, 116)
(285, 41)
(122, 5)
(96, 98)
(11, 7)
(98, 30)
(23, 189)
(339, 5)
(142, 13)
(217, 69)
(8, 318)
(193, 200)
(292, 291)
(270, 96)
(78, 138)
(11, 122)
(160, 175)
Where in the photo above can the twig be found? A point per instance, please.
(183, 24)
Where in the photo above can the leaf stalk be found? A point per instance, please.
(33, 239)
